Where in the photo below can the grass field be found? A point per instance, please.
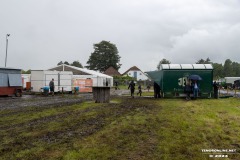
(140, 128)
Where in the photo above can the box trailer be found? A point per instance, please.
(172, 78)
(237, 84)
(41, 78)
(230, 80)
(10, 82)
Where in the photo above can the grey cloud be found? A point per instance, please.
(45, 32)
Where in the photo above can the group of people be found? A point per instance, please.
(192, 88)
(156, 87)
(132, 89)
(189, 88)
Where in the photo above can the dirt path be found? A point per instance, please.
(41, 101)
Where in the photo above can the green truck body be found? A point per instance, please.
(172, 78)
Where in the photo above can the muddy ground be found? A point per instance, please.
(41, 101)
(28, 100)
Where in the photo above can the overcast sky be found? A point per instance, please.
(44, 32)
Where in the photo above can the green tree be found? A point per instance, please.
(163, 61)
(26, 72)
(105, 55)
(227, 68)
(236, 69)
(66, 62)
(202, 61)
(77, 64)
(60, 63)
(217, 70)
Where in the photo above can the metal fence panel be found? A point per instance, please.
(3, 80)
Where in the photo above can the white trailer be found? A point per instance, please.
(231, 80)
(41, 78)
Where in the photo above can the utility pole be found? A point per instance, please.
(6, 49)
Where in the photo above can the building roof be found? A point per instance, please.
(7, 68)
(185, 66)
(78, 71)
(112, 72)
(134, 68)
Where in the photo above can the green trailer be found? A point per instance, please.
(172, 78)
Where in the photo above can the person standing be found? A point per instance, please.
(215, 89)
(139, 90)
(157, 90)
(195, 89)
(116, 85)
(148, 87)
(132, 88)
(51, 86)
(188, 91)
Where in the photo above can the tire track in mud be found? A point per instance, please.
(87, 126)
(31, 108)
(45, 119)
(40, 101)
(81, 125)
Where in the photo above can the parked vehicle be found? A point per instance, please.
(10, 82)
(172, 78)
(237, 84)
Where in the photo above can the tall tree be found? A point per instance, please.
(217, 70)
(163, 61)
(227, 68)
(236, 69)
(104, 56)
(77, 64)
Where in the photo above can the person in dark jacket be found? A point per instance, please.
(132, 88)
(215, 89)
(139, 90)
(148, 87)
(157, 90)
(195, 88)
(51, 86)
(187, 90)
(116, 85)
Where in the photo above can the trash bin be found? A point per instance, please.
(46, 90)
(76, 90)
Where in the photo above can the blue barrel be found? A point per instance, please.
(46, 88)
(76, 88)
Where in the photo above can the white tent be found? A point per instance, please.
(98, 79)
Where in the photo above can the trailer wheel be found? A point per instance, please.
(18, 93)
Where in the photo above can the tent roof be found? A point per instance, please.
(83, 71)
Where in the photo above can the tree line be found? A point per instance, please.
(106, 55)
(228, 69)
